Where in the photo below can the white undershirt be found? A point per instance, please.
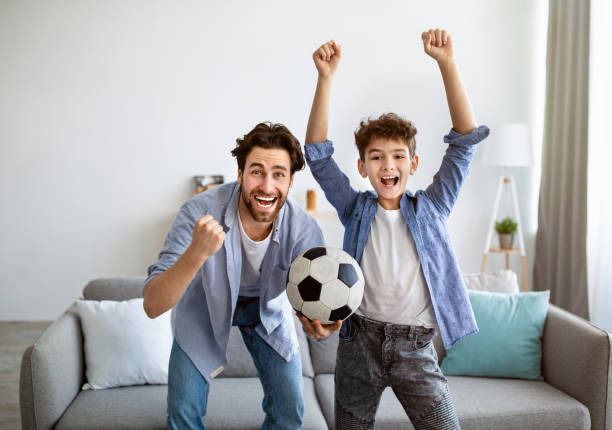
(395, 288)
(252, 256)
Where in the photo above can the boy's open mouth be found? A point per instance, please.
(389, 180)
(265, 202)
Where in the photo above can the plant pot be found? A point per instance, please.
(506, 240)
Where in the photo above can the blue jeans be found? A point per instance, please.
(282, 381)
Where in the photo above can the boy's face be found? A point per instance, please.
(387, 164)
(265, 182)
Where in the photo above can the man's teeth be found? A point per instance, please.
(265, 201)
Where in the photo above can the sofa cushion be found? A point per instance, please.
(323, 353)
(122, 345)
(145, 407)
(500, 281)
(509, 341)
(135, 408)
(482, 404)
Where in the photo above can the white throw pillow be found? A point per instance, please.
(502, 281)
(123, 346)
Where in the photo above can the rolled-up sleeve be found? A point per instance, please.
(177, 241)
(318, 151)
(472, 138)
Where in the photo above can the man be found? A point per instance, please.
(224, 263)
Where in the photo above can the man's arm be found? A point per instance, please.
(166, 289)
(326, 59)
(438, 45)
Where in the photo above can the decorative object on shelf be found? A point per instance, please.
(206, 182)
(311, 208)
(311, 200)
(506, 229)
(508, 146)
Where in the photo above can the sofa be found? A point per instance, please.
(572, 395)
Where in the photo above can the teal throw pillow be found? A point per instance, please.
(509, 341)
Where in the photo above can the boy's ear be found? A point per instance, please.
(414, 163)
(361, 168)
(291, 182)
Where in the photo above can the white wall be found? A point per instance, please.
(107, 109)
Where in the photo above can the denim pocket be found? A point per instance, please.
(349, 327)
(422, 343)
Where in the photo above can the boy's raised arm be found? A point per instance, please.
(326, 59)
(438, 45)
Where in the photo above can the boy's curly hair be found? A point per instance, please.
(388, 125)
(269, 135)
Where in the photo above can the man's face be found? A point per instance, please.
(265, 182)
(387, 165)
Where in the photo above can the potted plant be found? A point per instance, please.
(505, 229)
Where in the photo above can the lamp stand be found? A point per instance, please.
(487, 249)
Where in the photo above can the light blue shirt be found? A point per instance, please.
(203, 316)
(425, 212)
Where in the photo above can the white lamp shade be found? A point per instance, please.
(508, 145)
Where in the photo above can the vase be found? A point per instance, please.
(506, 240)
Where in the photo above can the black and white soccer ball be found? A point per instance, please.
(325, 283)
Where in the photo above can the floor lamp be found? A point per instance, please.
(508, 146)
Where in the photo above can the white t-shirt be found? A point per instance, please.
(395, 288)
(252, 256)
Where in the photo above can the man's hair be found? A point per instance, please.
(389, 126)
(267, 135)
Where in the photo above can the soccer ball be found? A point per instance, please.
(325, 283)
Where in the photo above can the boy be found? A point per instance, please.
(413, 282)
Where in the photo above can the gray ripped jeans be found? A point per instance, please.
(374, 355)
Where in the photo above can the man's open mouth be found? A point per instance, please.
(265, 202)
(389, 180)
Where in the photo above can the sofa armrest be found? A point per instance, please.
(52, 373)
(576, 360)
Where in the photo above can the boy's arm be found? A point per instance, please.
(462, 139)
(319, 150)
(438, 45)
(326, 60)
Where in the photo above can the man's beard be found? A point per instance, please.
(257, 216)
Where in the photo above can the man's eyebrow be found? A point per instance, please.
(261, 166)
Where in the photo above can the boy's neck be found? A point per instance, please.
(390, 204)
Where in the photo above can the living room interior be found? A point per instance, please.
(110, 110)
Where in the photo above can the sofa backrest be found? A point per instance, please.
(240, 362)
(118, 289)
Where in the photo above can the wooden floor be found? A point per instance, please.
(15, 337)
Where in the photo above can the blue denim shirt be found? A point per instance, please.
(425, 212)
(203, 316)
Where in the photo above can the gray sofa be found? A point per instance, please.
(573, 394)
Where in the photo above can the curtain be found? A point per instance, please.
(560, 263)
(599, 232)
